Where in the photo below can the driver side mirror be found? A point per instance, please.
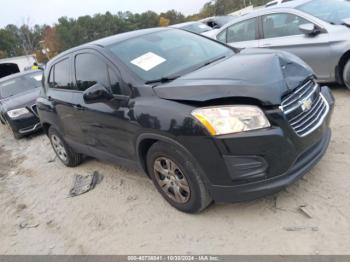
(309, 29)
(97, 93)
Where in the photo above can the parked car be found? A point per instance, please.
(203, 120)
(217, 22)
(13, 65)
(18, 94)
(194, 27)
(315, 30)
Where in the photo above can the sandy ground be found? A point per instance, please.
(125, 215)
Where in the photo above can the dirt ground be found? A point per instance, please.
(125, 215)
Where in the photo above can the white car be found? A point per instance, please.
(276, 2)
(317, 31)
(194, 27)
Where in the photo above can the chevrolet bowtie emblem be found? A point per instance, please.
(306, 104)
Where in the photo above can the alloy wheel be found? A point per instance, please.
(172, 180)
(59, 148)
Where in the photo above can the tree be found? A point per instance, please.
(164, 22)
(69, 32)
(174, 17)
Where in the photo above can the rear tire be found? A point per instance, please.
(63, 151)
(176, 178)
(346, 75)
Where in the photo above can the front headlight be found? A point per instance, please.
(221, 120)
(15, 113)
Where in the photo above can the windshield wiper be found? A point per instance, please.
(171, 78)
(210, 62)
(162, 79)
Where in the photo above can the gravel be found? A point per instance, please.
(124, 214)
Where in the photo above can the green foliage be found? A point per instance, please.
(223, 7)
(69, 32)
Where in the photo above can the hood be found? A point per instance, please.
(347, 22)
(26, 99)
(261, 74)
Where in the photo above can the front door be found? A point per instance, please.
(105, 125)
(241, 35)
(281, 31)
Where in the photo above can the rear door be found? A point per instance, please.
(105, 126)
(60, 93)
(243, 34)
(281, 31)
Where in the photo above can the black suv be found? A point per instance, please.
(204, 121)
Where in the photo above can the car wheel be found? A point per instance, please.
(63, 151)
(346, 74)
(176, 178)
(16, 135)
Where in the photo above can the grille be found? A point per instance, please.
(305, 108)
(34, 110)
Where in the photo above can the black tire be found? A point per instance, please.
(16, 135)
(72, 159)
(346, 75)
(199, 198)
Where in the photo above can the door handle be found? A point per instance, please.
(78, 107)
(266, 45)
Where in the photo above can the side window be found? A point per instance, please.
(115, 83)
(51, 77)
(222, 36)
(243, 31)
(59, 76)
(90, 70)
(280, 25)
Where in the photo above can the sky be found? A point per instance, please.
(48, 11)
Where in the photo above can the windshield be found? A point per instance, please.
(20, 84)
(331, 11)
(197, 28)
(167, 53)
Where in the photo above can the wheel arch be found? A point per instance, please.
(341, 65)
(46, 126)
(146, 140)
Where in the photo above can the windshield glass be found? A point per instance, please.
(167, 53)
(20, 85)
(197, 28)
(331, 11)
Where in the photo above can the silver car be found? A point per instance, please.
(194, 27)
(318, 31)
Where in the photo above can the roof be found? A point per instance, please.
(3, 60)
(103, 42)
(291, 4)
(9, 77)
(285, 6)
(124, 36)
(185, 24)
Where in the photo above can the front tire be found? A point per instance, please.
(176, 178)
(346, 75)
(16, 135)
(63, 151)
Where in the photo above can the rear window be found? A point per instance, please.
(20, 85)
